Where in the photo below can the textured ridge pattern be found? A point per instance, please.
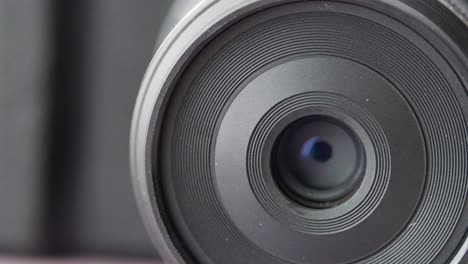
(412, 71)
(331, 102)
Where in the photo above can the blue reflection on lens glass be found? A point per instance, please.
(316, 149)
(308, 147)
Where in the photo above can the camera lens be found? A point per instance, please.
(318, 161)
(280, 132)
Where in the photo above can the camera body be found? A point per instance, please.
(271, 131)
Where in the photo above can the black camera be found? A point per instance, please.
(325, 132)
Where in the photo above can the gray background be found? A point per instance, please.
(115, 45)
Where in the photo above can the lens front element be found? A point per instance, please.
(318, 161)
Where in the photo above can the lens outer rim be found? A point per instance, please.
(198, 26)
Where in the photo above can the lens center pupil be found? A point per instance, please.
(309, 169)
(321, 151)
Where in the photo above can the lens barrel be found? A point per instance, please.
(306, 132)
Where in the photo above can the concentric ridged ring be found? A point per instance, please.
(411, 64)
(327, 103)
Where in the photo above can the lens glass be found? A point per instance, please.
(316, 149)
(318, 161)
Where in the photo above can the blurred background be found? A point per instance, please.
(69, 75)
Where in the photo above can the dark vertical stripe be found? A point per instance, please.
(65, 117)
